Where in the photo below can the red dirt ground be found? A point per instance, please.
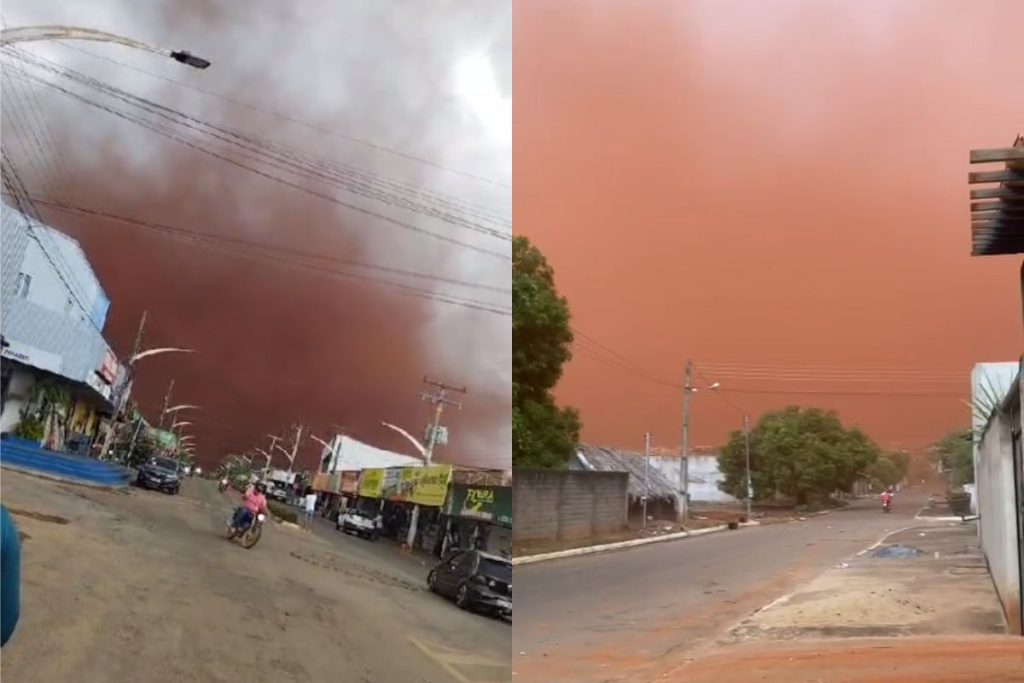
(995, 659)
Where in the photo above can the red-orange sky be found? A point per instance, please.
(768, 183)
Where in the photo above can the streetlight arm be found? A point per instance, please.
(153, 352)
(24, 34)
(419, 447)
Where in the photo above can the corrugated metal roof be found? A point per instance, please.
(600, 459)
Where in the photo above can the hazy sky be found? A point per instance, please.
(282, 343)
(766, 186)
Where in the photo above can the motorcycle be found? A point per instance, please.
(250, 534)
(886, 505)
(222, 487)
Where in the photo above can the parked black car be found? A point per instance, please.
(475, 580)
(162, 474)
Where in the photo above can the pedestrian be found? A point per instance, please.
(10, 576)
(310, 506)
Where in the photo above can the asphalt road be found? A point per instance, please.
(630, 614)
(119, 587)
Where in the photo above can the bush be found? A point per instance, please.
(30, 428)
(283, 512)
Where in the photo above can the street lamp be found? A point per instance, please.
(410, 438)
(24, 34)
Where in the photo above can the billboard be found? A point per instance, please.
(420, 485)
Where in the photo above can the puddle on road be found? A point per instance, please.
(897, 552)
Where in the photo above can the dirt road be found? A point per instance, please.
(139, 586)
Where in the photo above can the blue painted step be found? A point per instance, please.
(28, 455)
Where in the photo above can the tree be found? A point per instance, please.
(543, 434)
(803, 453)
(955, 453)
(889, 469)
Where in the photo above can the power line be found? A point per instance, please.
(283, 117)
(439, 205)
(209, 152)
(200, 235)
(28, 211)
(210, 242)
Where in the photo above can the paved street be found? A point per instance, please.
(633, 614)
(135, 585)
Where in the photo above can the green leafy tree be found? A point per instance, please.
(543, 434)
(803, 453)
(889, 469)
(955, 452)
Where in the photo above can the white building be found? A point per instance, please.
(52, 313)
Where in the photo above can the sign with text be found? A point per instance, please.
(371, 483)
(108, 370)
(486, 503)
(431, 487)
(30, 355)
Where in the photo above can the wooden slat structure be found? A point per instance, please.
(997, 220)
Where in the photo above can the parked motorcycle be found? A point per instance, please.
(250, 534)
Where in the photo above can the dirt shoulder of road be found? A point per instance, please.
(959, 659)
(925, 580)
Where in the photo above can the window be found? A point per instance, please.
(22, 286)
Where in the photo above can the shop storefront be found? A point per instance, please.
(395, 491)
(479, 517)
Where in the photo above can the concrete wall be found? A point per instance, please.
(997, 505)
(704, 477)
(564, 504)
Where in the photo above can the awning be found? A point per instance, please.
(997, 210)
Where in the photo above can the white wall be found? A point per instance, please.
(985, 375)
(997, 507)
(704, 476)
(18, 392)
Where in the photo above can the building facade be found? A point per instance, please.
(52, 313)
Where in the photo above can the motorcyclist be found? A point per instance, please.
(254, 501)
(887, 497)
(224, 483)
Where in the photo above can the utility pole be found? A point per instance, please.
(746, 445)
(122, 395)
(684, 454)
(167, 403)
(647, 473)
(439, 398)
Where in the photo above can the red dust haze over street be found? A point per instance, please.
(765, 187)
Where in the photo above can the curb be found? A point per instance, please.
(620, 545)
(592, 549)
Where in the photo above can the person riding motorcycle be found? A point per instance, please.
(886, 498)
(223, 484)
(254, 501)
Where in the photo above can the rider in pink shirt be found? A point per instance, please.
(254, 501)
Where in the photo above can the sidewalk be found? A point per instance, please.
(925, 580)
